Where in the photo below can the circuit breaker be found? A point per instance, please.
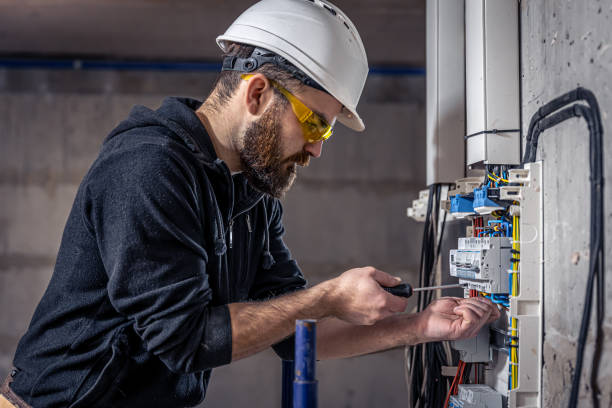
(476, 349)
(482, 263)
(476, 396)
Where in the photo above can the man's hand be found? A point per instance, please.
(456, 318)
(356, 296)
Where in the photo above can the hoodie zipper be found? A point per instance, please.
(248, 221)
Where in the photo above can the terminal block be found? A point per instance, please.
(476, 396)
(461, 206)
(482, 201)
(419, 207)
(482, 263)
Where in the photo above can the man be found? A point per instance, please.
(172, 260)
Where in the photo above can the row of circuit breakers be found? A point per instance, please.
(495, 260)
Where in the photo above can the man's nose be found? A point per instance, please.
(314, 149)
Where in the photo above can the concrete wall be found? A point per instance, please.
(347, 209)
(165, 29)
(566, 44)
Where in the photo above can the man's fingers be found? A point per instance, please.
(384, 279)
(476, 303)
(495, 314)
(486, 305)
(472, 319)
(480, 313)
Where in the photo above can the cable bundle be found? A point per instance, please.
(514, 281)
(426, 385)
(546, 117)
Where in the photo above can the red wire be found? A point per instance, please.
(450, 390)
(460, 379)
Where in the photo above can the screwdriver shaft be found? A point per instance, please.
(456, 285)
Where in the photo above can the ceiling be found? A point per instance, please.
(393, 31)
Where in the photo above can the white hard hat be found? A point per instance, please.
(316, 37)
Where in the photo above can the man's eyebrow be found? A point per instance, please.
(321, 115)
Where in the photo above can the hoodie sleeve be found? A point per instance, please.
(283, 276)
(142, 205)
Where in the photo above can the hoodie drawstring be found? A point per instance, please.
(211, 202)
(267, 258)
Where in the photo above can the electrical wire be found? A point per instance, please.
(513, 355)
(451, 390)
(549, 115)
(426, 385)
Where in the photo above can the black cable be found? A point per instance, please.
(545, 119)
(556, 104)
(426, 360)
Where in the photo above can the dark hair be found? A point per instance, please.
(227, 81)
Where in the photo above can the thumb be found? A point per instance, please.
(384, 279)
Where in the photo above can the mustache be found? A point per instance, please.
(302, 159)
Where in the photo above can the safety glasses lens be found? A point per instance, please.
(316, 129)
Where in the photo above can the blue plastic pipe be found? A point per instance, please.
(304, 383)
(287, 393)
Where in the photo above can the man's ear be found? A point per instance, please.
(257, 96)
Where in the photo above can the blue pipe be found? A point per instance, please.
(287, 393)
(305, 384)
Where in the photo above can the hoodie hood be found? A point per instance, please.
(177, 115)
(230, 195)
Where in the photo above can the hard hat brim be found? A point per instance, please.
(351, 120)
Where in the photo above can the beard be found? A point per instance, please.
(261, 154)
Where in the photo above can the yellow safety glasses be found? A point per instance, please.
(314, 127)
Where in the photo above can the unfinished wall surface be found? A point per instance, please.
(162, 29)
(347, 209)
(566, 44)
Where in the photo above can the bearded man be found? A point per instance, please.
(172, 259)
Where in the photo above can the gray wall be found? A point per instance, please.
(566, 44)
(165, 29)
(347, 209)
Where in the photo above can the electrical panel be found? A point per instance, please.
(499, 253)
(501, 257)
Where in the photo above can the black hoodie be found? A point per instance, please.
(161, 237)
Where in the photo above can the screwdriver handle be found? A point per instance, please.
(403, 290)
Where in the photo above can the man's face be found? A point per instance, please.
(273, 145)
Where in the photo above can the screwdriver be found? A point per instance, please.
(406, 290)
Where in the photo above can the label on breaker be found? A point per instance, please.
(479, 285)
(473, 243)
(467, 264)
